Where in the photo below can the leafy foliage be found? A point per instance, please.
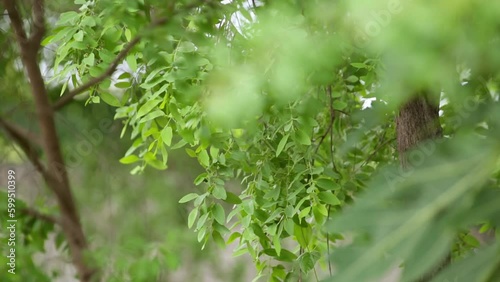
(275, 96)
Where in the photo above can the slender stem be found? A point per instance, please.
(45, 217)
(328, 244)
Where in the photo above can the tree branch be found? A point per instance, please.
(109, 71)
(22, 138)
(45, 217)
(38, 23)
(16, 21)
(55, 175)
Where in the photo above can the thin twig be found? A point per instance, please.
(23, 140)
(45, 217)
(330, 123)
(328, 244)
(300, 270)
(109, 71)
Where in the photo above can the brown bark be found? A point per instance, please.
(417, 121)
(55, 174)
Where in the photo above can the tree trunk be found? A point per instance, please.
(55, 173)
(418, 121)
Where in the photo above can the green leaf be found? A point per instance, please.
(214, 153)
(339, 105)
(285, 255)
(156, 164)
(359, 65)
(203, 158)
(233, 237)
(188, 197)
(336, 94)
(152, 115)
(106, 56)
(471, 241)
(321, 209)
(147, 107)
(154, 74)
(109, 99)
(124, 75)
(219, 214)
(219, 192)
(180, 144)
(123, 84)
(327, 184)
(191, 153)
(352, 79)
(220, 228)
(166, 135)
(78, 36)
(65, 85)
(186, 47)
(192, 217)
(132, 63)
(88, 21)
(308, 260)
(49, 39)
(303, 213)
(329, 198)
(68, 17)
(201, 221)
(129, 159)
(485, 228)
(303, 138)
(95, 71)
(303, 235)
(202, 234)
(89, 60)
(277, 244)
(128, 34)
(218, 239)
(164, 154)
(282, 144)
(232, 199)
(200, 178)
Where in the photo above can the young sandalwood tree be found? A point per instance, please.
(308, 106)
